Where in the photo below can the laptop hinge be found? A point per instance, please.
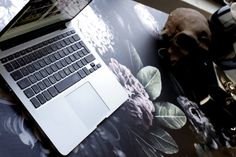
(7, 44)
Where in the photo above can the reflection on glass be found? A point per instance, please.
(8, 10)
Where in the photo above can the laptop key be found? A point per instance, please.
(72, 58)
(85, 52)
(29, 49)
(38, 76)
(78, 45)
(57, 76)
(4, 60)
(53, 92)
(82, 73)
(42, 63)
(47, 60)
(74, 47)
(21, 61)
(63, 62)
(61, 53)
(59, 65)
(30, 68)
(67, 82)
(86, 71)
(71, 68)
(92, 64)
(56, 38)
(38, 54)
(47, 95)
(62, 74)
(52, 58)
(29, 92)
(44, 73)
(41, 98)
(71, 39)
(23, 52)
(70, 49)
(60, 36)
(64, 35)
(66, 52)
(76, 37)
(54, 47)
(11, 57)
(76, 67)
(91, 70)
(26, 59)
(36, 65)
(80, 53)
(84, 62)
(16, 55)
(32, 57)
(72, 31)
(35, 102)
(69, 33)
(32, 78)
(58, 45)
(95, 67)
(36, 89)
(47, 82)
(9, 67)
(24, 83)
(24, 71)
(52, 79)
(49, 70)
(76, 55)
(41, 85)
(49, 49)
(79, 63)
(67, 71)
(68, 60)
(67, 41)
(57, 56)
(17, 75)
(15, 64)
(62, 42)
(89, 58)
(99, 65)
(54, 67)
(50, 41)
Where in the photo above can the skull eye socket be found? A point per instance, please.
(185, 42)
(203, 37)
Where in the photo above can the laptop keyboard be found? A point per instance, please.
(44, 70)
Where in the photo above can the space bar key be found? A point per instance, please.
(67, 82)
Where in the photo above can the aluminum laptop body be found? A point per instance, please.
(81, 102)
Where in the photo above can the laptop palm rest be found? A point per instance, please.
(90, 108)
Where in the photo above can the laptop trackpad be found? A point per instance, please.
(88, 105)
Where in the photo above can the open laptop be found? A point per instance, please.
(58, 77)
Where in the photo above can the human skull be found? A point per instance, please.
(187, 32)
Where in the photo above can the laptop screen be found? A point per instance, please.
(40, 13)
(8, 10)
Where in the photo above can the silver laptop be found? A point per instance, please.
(58, 77)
